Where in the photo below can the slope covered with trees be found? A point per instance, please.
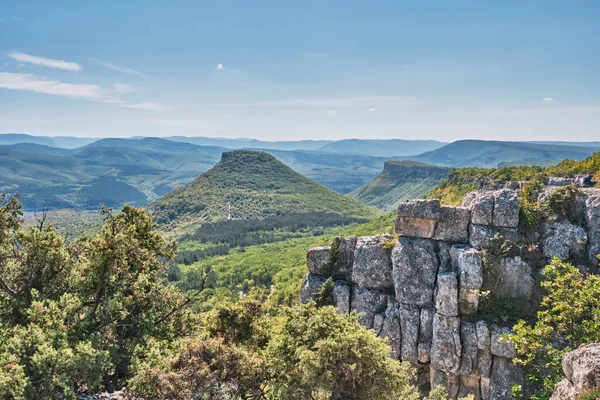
(399, 181)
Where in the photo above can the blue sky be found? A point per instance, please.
(290, 70)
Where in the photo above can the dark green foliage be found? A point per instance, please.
(325, 296)
(560, 201)
(73, 315)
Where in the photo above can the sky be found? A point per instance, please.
(292, 70)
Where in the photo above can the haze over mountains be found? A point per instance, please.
(49, 173)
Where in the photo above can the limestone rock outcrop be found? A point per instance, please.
(582, 373)
(422, 289)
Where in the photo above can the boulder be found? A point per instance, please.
(501, 344)
(372, 267)
(506, 208)
(311, 284)
(481, 205)
(582, 372)
(318, 261)
(469, 264)
(468, 340)
(453, 225)
(341, 296)
(480, 235)
(514, 280)
(564, 240)
(558, 181)
(417, 218)
(343, 257)
(367, 303)
(483, 335)
(446, 348)
(505, 374)
(440, 377)
(409, 326)
(414, 268)
(446, 295)
(469, 385)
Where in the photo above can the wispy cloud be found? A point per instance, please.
(45, 62)
(148, 107)
(332, 112)
(16, 81)
(219, 67)
(372, 110)
(548, 99)
(121, 88)
(114, 67)
(388, 101)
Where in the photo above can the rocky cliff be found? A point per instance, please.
(425, 290)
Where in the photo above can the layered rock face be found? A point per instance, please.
(422, 289)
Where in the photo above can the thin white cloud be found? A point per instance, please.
(44, 62)
(148, 107)
(332, 112)
(16, 81)
(367, 101)
(219, 67)
(372, 110)
(548, 99)
(114, 67)
(121, 88)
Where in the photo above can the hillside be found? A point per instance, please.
(399, 181)
(489, 154)
(248, 185)
(382, 148)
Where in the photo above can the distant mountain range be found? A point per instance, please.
(113, 171)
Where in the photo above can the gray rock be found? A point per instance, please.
(417, 218)
(485, 388)
(501, 345)
(391, 328)
(469, 385)
(318, 261)
(372, 267)
(504, 376)
(424, 351)
(480, 235)
(442, 378)
(558, 181)
(484, 363)
(344, 257)
(409, 325)
(426, 326)
(564, 390)
(415, 266)
(341, 296)
(564, 240)
(483, 335)
(592, 218)
(506, 208)
(594, 249)
(468, 335)
(582, 368)
(446, 295)
(481, 205)
(311, 284)
(453, 225)
(469, 263)
(378, 323)
(446, 348)
(445, 263)
(515, 280)
(367, 303)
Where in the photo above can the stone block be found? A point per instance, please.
(453, 225)
(446, 295)
(469, 385)
(311, 284)
(506, 208)
(564, 240)
(417, 218)
(468, 340)
(504, 375)
(367, 303)
(446, 348)
(409, 325)
(341, 296)
(481, 205)
(449, 381)
(318, 260)
(414, 269)
(372, 267)
(344, 257)
(501, 345)
(469, 264)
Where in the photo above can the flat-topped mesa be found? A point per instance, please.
(422, 289)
